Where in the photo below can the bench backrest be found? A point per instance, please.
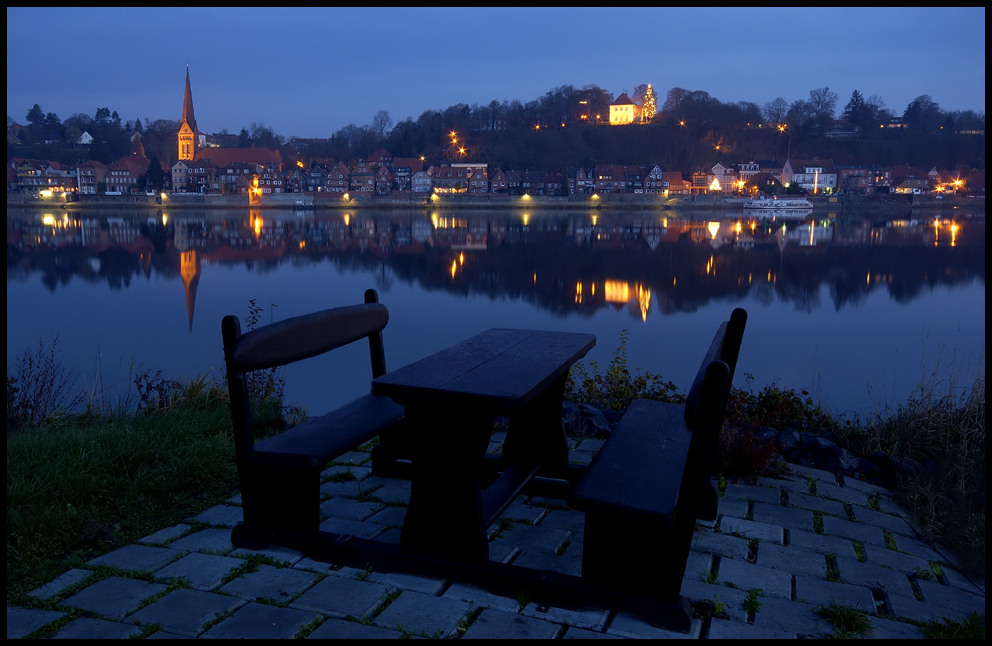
(725, 347)
(284, 342)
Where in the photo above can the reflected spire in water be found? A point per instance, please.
(189, 269)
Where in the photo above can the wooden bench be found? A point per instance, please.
(280, 475)
(645, 489)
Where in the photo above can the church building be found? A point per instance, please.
(188, 134)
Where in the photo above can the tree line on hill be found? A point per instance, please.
(558, 131)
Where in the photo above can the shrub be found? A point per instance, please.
(617, 387)
(40, 386)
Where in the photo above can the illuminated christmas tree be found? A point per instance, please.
(649, 105)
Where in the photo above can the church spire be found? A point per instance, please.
(188, 134)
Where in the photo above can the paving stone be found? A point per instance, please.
(214, 540)
(594, 619)
(138, 558)
(57, 586)
(747, 576)
(350, 508)
(753, 493)
(533, 537)
(409, 582)
(841, 493)
(539, 559)
(163, 536)
(844, 528)
(221, 515)
(480, 597)
(342, 629)
(281, 555)
(726, 629)
(794, 560)
(520, 511)
(91, 628)
(819, 543)
(359, 472)
(635, 627)
(795, 617)
(751, 529)
(351, 527)
(879, 555)
(568, 519)
(950, 597)
(261, 621)
(496, 624)
(341, 597)
(784, 516)
(873, 576)
(114, 597)
(353, 458)
(423, 614)
(890, 629)
(273, 583)
(202, 571)
(820, 592)
(918, 548)
(709, 542)
(907, 607)
(185, 612)
(730, 600)
(393, 491)
(21, 622)
(817, 503)
(348, 488)
(389, 517)
(890, 522)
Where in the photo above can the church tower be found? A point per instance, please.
(188, 133)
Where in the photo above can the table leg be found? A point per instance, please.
(445, 519)
(536, 434)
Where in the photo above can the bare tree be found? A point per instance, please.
(381, 122)
(775, 110)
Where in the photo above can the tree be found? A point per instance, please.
(381, 122)
(649, 105)
(923, 114)
(823, 106)
(775, 110)
(154, 177)
(35, 116)
(137, 126)
(102, 115)
(244, 139)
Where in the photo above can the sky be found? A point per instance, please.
(308, 72)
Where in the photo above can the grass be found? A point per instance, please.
(81, 485)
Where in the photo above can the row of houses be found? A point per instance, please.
(237, 170)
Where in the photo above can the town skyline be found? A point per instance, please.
(330, 96)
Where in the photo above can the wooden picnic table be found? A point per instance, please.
(451, 400)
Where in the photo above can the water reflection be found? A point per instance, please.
(563, 262)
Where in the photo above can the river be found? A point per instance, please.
(859, 312)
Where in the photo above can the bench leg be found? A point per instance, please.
(282, 498)
(644, 556)
(708, 502)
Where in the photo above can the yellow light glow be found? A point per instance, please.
(48, 220)
(347, 219)
(616, 291)
(454, 267)
(715, 185)
(526, 218)
(578, 292)
(461, 258)
(45, 193)
(713, 228)
(345, 196)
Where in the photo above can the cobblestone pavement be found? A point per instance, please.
(779, 551)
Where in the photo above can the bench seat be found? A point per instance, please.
(639, 469)
(321, 439)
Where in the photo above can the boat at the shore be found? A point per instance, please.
(777, 203)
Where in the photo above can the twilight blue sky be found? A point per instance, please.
(310, 71)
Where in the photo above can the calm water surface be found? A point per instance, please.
(859, 312)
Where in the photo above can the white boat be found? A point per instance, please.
(779, 203)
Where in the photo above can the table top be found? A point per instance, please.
(500, 369)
